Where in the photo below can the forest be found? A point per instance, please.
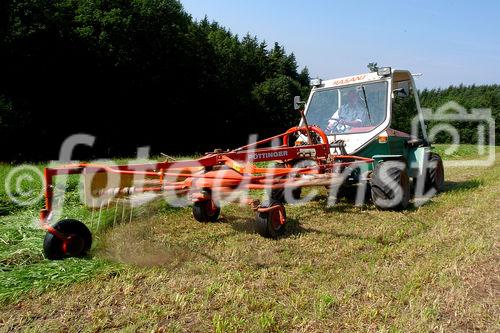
(469, 97)
(145, 73)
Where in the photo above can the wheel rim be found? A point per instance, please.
(73, 245)
(275, 219)
(211, 208)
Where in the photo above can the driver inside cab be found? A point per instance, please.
(350, 114)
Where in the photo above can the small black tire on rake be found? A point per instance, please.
(267, 224)
(206, 211)
(76, 243)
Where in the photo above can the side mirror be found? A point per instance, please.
(297, 103)
(399, 92)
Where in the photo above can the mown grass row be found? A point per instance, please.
(21, 239)
(23, 267)
(340, 267)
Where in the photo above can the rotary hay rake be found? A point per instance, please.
(304, 157)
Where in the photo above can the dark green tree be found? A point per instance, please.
(134, 73)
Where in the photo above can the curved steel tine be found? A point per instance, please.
(92, 214)
(123, 210)
(131, 211)
(116, 211)
(100, 212)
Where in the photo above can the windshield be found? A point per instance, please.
(352, 109)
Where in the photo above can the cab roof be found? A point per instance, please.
(396, 75)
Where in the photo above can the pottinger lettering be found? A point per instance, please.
(275, 154)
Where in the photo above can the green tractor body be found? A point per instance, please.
(376, 115)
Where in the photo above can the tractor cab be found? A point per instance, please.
(375, 115)
(366, 108)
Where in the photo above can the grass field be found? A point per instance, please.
(342, 268)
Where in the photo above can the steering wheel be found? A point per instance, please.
(336, 126)
(293, 134)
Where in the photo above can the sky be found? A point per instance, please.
(449, 42)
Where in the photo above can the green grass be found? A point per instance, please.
(463, 152)
(22, 265)
(342, 268)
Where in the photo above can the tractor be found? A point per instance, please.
(353, 134)
(376, 115)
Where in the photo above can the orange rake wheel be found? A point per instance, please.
(271, 221)
(206, 211)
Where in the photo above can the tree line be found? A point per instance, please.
(135, 73)
(470, 97)
(145, 73)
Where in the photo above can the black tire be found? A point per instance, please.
(350, 193)
(435, 173)
(267, 224)
(206, 211)
(296, 193)
(278, 195)
(387, 180)
(78, 242)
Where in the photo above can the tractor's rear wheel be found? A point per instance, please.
(390, 185)
(206, 211)
(268, 224)
(435, 173)
(296, 192)
(279, 195)
(350, 193)
(77, 242)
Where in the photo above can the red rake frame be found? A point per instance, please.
(219, 171)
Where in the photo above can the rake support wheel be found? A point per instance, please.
(269, 224)
(206, 211)
(76, 243)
